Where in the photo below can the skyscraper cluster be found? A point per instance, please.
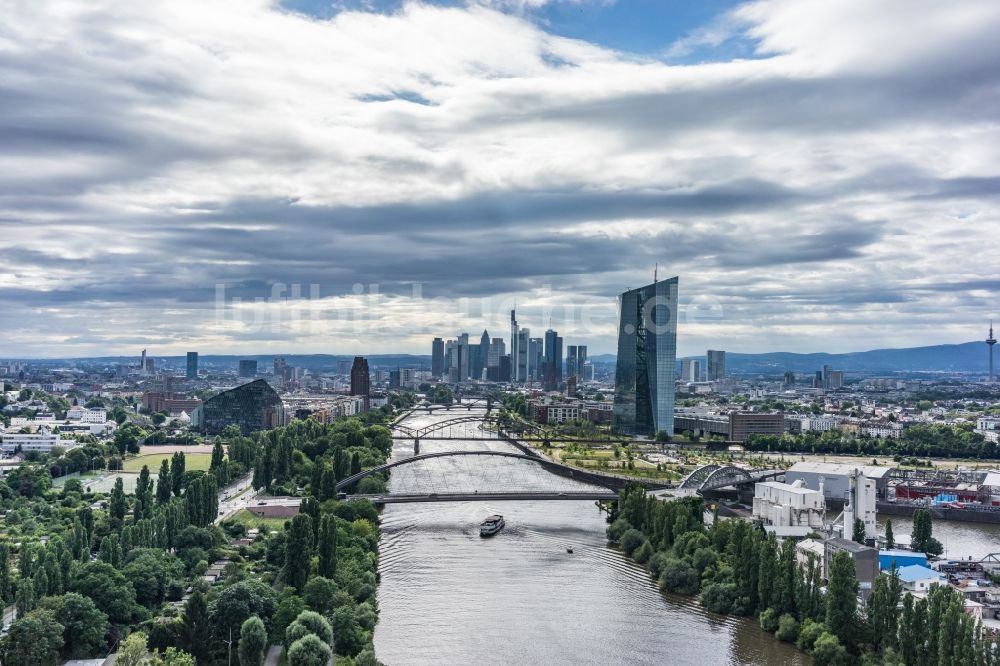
(529, 360)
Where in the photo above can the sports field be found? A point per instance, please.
(192, 461)
(104, 483)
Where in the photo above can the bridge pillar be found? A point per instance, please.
(416, 446)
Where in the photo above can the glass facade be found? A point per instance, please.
(252, 407)
(647, 358)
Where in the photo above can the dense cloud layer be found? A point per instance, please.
(165, 166)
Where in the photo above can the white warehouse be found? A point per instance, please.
(788, 509)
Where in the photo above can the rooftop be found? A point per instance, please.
(871, 471)
(916, 572)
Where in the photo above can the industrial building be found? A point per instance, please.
(788, 510)
(865, 562)
(835, 478)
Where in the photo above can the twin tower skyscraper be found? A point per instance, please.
(647, 359)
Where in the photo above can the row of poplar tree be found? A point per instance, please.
(736, 568)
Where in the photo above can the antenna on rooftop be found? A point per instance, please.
(656, 270)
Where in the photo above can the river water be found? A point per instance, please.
(447, 596)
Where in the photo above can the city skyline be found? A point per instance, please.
(822, 179)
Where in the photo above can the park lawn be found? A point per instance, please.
(248, 520)
(192, 461)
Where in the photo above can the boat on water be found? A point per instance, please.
(491, 525)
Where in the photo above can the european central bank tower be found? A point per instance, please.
(647, 358)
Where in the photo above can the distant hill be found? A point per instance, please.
(965, 357)
(968, 357)
(315, 362)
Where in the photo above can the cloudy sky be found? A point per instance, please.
(237, 176)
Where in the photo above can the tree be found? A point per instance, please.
(109, 589)
(253, 642)
(320, 594)
(289, 608)
(309, 651)
(198, 627)
(828, 651)
(239, 602)
(218, 455)
(679, 577)
(921, 539)
(149, 570)
(177, 473)
(311, 622)
(328, 484)
(171, 657)
(6, 585)
(142, 495)
(631, 540)
(132, 650)
(84, 624)
(348, 636)
(119, 505)
(842, 598)
(32, 640)
(298, 551)
(859, 531)
(164, 485)
(25, 599)
(890, 540)
(327, 546)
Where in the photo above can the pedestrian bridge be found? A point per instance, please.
(452, 476)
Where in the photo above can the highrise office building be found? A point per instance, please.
(690, 370)
(503, 371)
(493, 356)
(515, 341)
(248, 368)
(142, 363)
(192, 365)
(552, 367)
(571, 366)
(484, 355)
(437, 357)
(581, 361)
(360, 379)
(647, 359)
(716, 365)
(463, 357)
(450, 356)
(282, 371)
(535, 357)
(522, 365)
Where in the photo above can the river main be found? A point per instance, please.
(447, 596)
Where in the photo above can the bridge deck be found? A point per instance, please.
(489, 497)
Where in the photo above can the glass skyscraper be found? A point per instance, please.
(647, 358)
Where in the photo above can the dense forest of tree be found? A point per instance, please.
(735, 568)
(132, 566)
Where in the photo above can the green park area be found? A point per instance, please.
(250, 520)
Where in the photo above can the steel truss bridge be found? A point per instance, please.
(458, 476)
(458, 428)
(716, 477)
